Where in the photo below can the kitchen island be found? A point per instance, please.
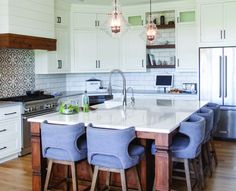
(156, 120)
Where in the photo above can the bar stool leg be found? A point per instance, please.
(49, 171)
(108, 178)
(213, 151)
(138, 178)
(209, 158)
(201, 171)
(94, 181)
(187, 174)
(123, 180)
(74, 177)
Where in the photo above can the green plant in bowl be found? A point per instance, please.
(68, 109)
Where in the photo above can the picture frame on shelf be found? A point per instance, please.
(151, 60)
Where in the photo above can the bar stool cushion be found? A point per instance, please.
(194, 129)
(113, 148)
(208, 115)
(60, 142)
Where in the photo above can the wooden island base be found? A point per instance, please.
(147, 166)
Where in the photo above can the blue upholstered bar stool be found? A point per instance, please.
(112, 150)
(63, 144)
(208, 115)
(216, 109)
(186, 146)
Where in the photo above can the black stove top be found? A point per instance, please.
(26, 98)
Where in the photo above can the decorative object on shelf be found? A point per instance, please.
(151, 60)
(116, 24)
(162, 20)
(171, 23)
(151, 28)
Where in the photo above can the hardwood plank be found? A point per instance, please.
(17, 174)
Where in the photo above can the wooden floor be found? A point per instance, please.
(16, 174)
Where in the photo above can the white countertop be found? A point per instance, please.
(8, 103)
(162, 116)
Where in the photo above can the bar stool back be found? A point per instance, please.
(63, 144)
(111, 150)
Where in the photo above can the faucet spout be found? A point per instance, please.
(124, 100)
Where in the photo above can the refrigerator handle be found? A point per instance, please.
(220, 89)
(226, 73)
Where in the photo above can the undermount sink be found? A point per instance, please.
(112, 104)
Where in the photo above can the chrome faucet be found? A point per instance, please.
(124, 101)
(132, 97)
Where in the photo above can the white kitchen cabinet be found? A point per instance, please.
(53, 62)
(95, 51)
(85, 51)
(217, 22)
(133, 51)
(10, 132)
(186, 41)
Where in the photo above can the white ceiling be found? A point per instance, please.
(122, 2)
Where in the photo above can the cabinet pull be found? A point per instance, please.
(99, 64)
(177, 19)
(3, 130)
(221, 34)
(95, 23)
(224, 34)
(98, 23)
(3, 148)
(59, 64)
(177, 62)
(142, 63)
(58, 19)
(10, 113)
(96, 64)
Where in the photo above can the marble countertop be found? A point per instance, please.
(160, 116)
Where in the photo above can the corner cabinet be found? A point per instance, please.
(10, 132)
(217, 22)
(186, 41)
(133, 50)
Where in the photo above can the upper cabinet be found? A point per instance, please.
(186, 41)
(133, 51)
(93, 49)
(217, 23)
(53, 62)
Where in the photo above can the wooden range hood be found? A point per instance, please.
(17, 41)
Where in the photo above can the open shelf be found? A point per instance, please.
(172, 26)
(161, 66)
(160, 46)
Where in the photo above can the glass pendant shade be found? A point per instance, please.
(115, 25)
(151, 28)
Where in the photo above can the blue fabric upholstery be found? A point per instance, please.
(194, 128)
(216, 109)
(112, 148)
(208, 114)
(62, 142)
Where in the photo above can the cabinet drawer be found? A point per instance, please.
(9, 128)
(10, 112)
(8, 148)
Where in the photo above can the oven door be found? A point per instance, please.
(26, 132)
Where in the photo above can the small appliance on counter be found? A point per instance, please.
(93, 85)
(190, 88)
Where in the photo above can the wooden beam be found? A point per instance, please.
(17, 41)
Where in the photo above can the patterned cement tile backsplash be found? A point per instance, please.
(16, 72)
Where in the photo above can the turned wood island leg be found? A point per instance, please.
(38, 163)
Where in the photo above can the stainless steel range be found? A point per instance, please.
(32, 106)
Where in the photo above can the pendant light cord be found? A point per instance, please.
(150, 11)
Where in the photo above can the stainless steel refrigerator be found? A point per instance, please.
(217, 74)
